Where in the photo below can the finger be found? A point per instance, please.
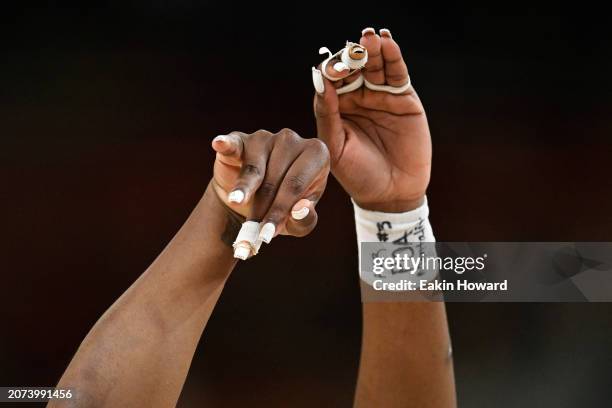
(284, 152)
(329, 122)
(353, 77)
(374, 68)
(229, 159)
(336, 69)
(305, 179)
(253, 167)
(228, 148)
(320, 84)
(303, 219)
(396, 72)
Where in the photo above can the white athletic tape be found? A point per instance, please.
(354, 65)
(397, 228)
(317, 81)
(356, 84)
(344, 55)
(387, 88)
(247, 243)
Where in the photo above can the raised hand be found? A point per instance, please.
(274, 178)
(379, 142)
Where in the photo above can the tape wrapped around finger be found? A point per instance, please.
(352, 57)
(247, 242)
(350, 87)
(388, 88)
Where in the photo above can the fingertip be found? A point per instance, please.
(305, 222)
(236, 196)
(370, 40)
(385, 33)
(300, 214)
(267, 232)
(224, 145)
(341, 69)
(219, 143)
(317, 80)
(389, 47)
(301, 209)
(368, 31)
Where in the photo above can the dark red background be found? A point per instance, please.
(106, 120)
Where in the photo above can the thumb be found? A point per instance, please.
(327, 114)
(303, 218)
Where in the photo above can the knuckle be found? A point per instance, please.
(251, 169)
(287, 131)
(288, 136)
(397, 77)
(319, 148)
(267, 189)
(261, 134)
(276, 214)
(296, 184)
(375, 67)
(238, 136)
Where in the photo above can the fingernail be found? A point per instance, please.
(340, 66)
(267, 232)
(300, 214)
(317, 80)
(367, 31)
(235, 196)
(242, 252)
(221, 138)
(384, 32)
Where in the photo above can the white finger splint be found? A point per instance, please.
(388, 88)
(247, 242)
(354, 57)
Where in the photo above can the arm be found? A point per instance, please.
(405, 356)
(380, 151)
(139, 352)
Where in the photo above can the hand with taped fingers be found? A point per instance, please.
(378, 140)
(273, 180)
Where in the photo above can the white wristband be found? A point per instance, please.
(396, 228)
(409, 226)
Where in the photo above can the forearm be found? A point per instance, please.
(405, 356)
(139, 352)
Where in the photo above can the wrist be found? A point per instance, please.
(400, 228)
(197, 258)
(232, 220)
(392, 206)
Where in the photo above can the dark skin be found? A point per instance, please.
(139, 352)
(271, 171)
(380, 149)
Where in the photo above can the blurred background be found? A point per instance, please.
(106, 118)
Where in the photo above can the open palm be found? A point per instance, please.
(379, 142)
